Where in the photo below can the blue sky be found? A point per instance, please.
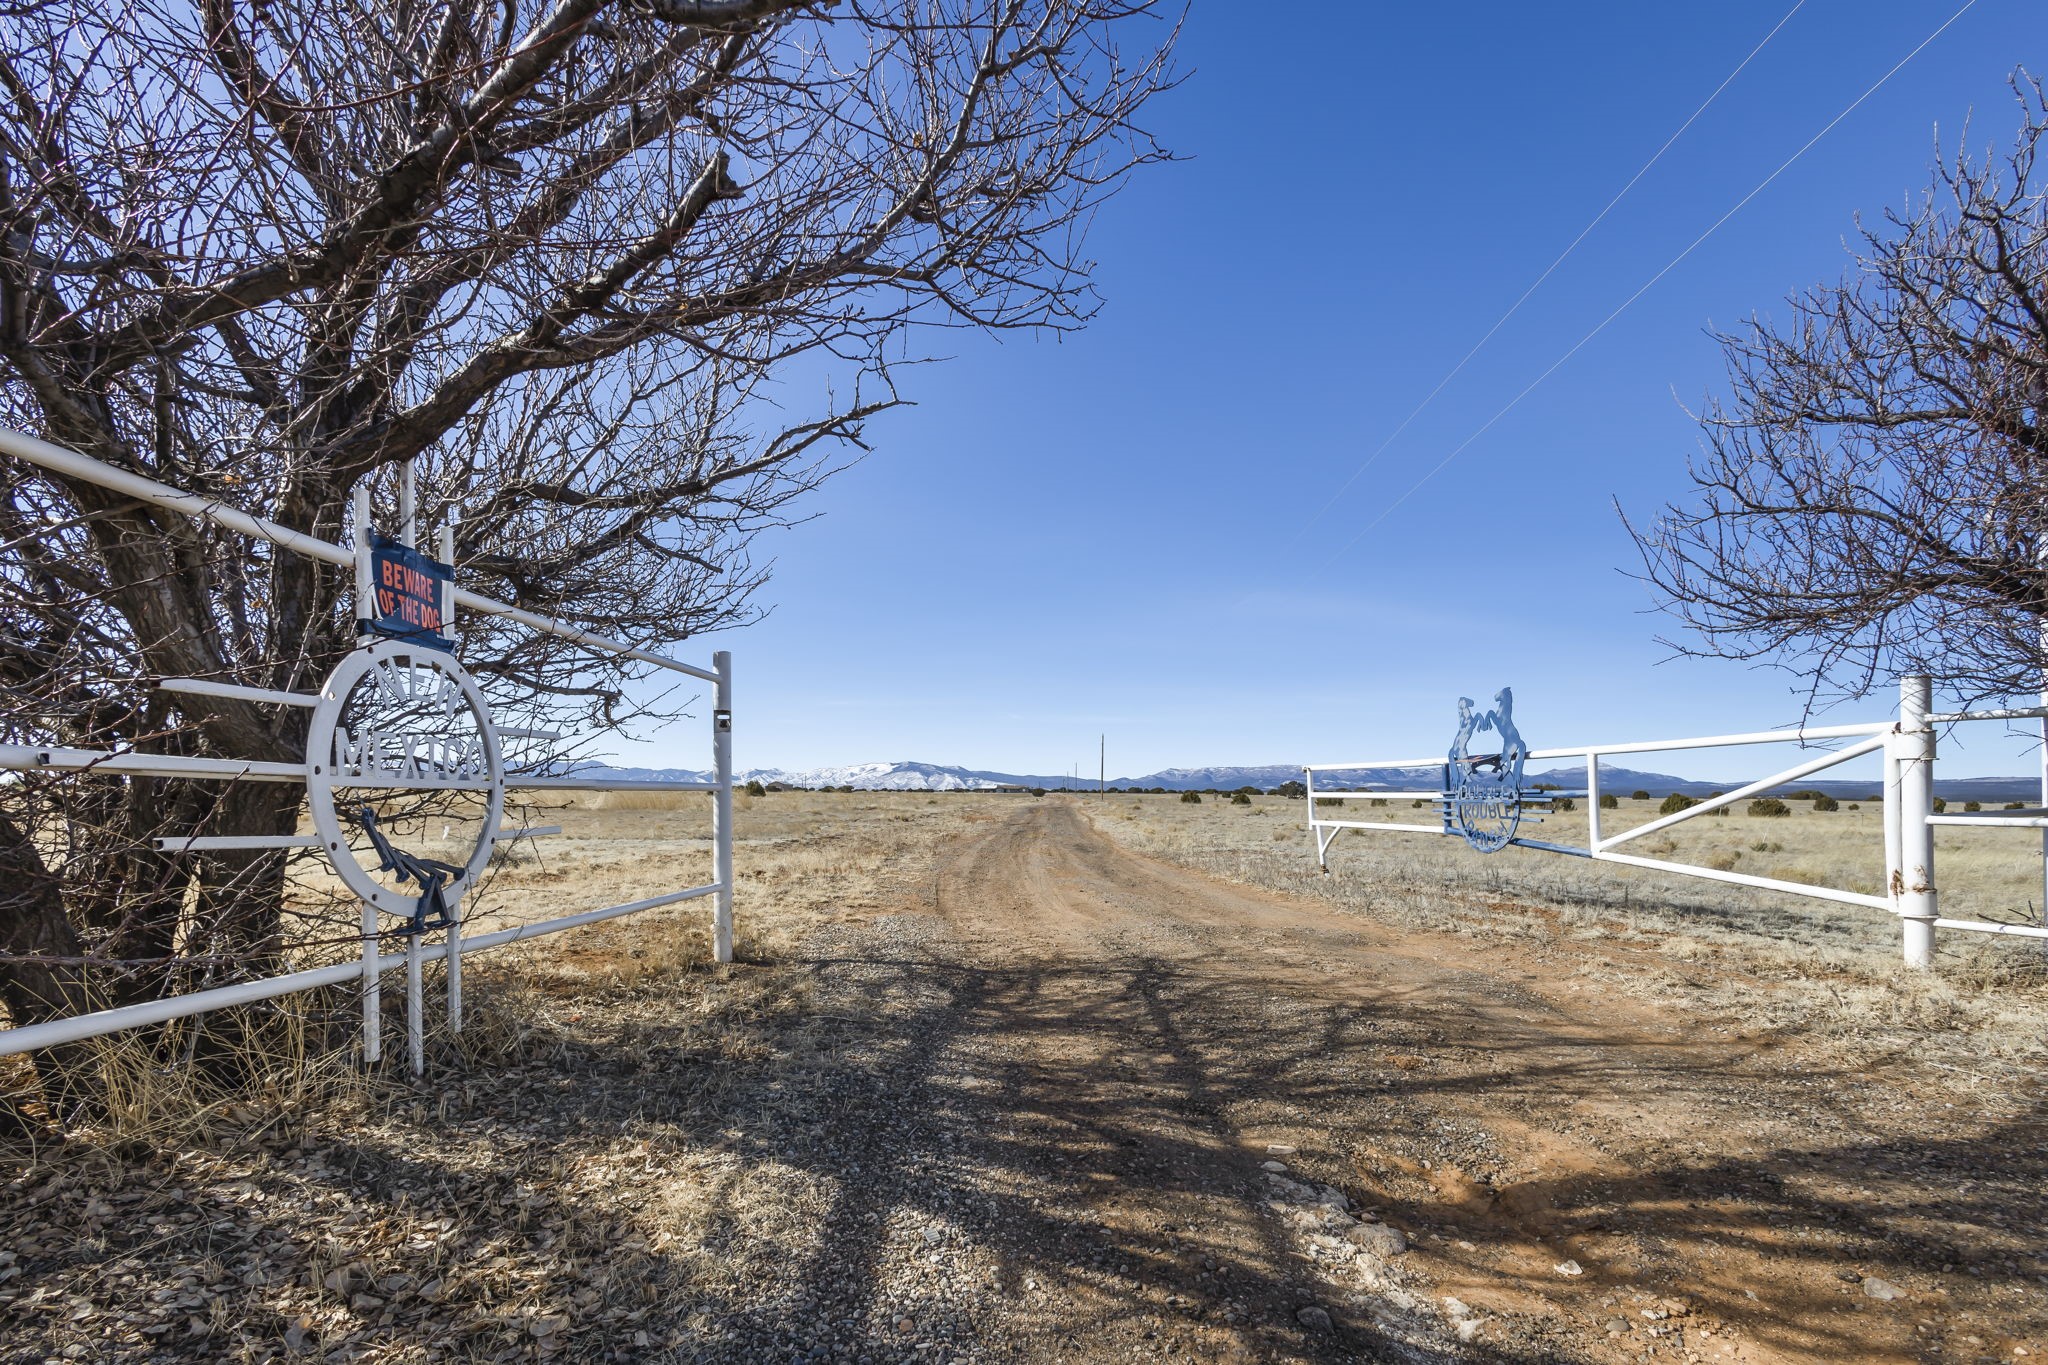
(1108, 533)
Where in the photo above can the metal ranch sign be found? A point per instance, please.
(409, 592)
(1483, 797)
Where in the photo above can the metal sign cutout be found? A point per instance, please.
(1483, 792)
(398, 718)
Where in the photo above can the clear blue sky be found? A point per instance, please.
(1104, 533)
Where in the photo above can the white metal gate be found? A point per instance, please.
(373, 963)
(1910, 817)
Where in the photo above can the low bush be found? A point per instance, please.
(1240, 799)
(1379, 801)
(1610, 803)
(1769, 806)
(1415, 805)
(1826, 802)
(1563, 803)
(1940, 805)
(2015, 805)
(1767, 846)
(1675, 803)
(1339, 801)
(1195, 799)
(1973, 805)
(755, 788)
(1639, 795)
(1855, 806)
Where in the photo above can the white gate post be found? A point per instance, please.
(366, 609)
(1322, 849)
(721, 809)
(1593, 802)
(446, 544)
(1916, 836)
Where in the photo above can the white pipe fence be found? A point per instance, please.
(373, 963)
(1907, 746)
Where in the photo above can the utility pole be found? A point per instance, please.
(1102, 768)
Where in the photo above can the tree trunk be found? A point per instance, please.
(33, 930)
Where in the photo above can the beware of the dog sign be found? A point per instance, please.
(407, 590)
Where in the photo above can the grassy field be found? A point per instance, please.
(1835, 968)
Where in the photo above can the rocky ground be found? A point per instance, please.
(1017, 1093)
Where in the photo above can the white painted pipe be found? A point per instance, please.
(70, 463)
(2021, 822)
(1825, 893)
(1757, 787)
(415, 1008)
(1651, 746)
(57, 1032)
(202, 687)
(527, 782)
(360, 527)
(1372, 824)
(210, 843)
(1592, 800)
(2002, 713)
(1980, 926)
(721, 809)
(1917, 897)
(408, 506)
(447, 556)
(1894, 847)
(32, 758)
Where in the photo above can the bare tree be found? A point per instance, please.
(1872, 496)
(562, 253)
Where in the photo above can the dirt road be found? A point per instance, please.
(1129, 1053)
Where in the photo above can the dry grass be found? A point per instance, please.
(563, 1184)
(1772, 959)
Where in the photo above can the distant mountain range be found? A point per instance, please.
(909, 776)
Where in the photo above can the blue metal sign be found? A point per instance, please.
(406, 586)
(1483, 792)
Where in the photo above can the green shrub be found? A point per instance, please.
(1675, 803)
(1415, 805)
(1639, 795)
(1038, 791)
(1379, 801)
(1855, 806)
(1940, 806)
(1769, 806)
(1804, 794)
(1610, 802)
(1563, 803)
(1767, 846)
(755, 788)
(1240, 799)
(1195, 799)
(1972, 805)
(1826, 802)
(1339, 801)
(2015, 805)
(1293, 791)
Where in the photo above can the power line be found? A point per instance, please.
(1671, 265)
(1548, 271)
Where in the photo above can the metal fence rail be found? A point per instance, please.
(1908, 748)
(369, 970)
